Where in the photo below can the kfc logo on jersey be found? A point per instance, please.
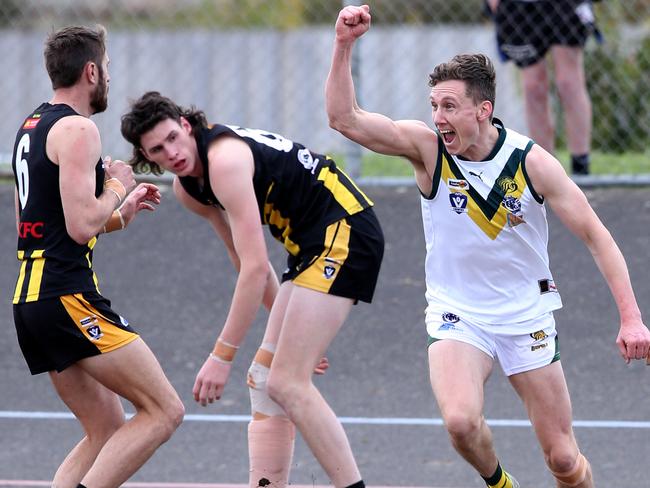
(458, 202)
(30, 229)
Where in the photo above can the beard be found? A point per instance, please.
(99, 98)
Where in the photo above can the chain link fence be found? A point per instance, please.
(263, 64)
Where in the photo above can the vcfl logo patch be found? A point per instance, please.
(329, 270)
(458, 202)
(91, 326)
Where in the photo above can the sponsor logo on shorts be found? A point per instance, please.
(458, 202)
(91, 326)
(450, 317)
(448, 326)
(538, 346)
(124, 322)
(540, 335)
(329, 271)
(87, 321)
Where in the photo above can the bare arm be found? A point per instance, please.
(74, 144)
(571, 206)
(408, 138)
(219, 222)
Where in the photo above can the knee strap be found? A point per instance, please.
(576, 475)
(262, 405)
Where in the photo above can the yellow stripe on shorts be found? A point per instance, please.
(100, 331)
(323, 270)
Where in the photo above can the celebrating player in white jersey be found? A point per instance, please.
(490, 291)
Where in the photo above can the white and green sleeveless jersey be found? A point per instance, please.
(486, 237)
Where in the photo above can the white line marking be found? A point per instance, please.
(594, 424)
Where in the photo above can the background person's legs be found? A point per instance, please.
(576, 104)
(539, 116)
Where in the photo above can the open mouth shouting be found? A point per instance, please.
(448, 135)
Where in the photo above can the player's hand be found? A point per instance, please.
(352, 23)
(322, 366)
(144, 197)
(121, 171)
(211, 381)
(633, 341)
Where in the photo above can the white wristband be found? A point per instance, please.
(216, 358)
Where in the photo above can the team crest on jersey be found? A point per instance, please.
(458, 202)
(306, 159)
(460, 184)
(512, 204)
(507, 184)
(91, 326)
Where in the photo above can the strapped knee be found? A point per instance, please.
(262, 405)
(575, 475)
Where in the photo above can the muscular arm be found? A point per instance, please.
(74, 144)
(571, 206)
(219, 222)
(411, 139)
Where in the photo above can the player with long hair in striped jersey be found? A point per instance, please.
(241, 179)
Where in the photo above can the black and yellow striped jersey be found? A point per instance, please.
(52, 263)
(296, 189)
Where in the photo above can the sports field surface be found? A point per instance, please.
(170, 277)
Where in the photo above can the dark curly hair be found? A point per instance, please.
(146, 112)
(476, 70)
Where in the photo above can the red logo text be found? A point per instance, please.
(30, 229)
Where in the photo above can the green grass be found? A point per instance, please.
(375, 165)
